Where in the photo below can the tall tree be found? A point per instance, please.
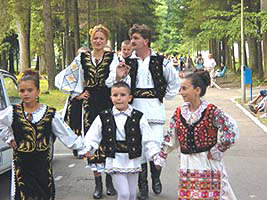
(76, 30)
(49, 44)
(23, 22)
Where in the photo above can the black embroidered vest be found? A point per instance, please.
(95, 76)
(32, 137)
(156, 69)
(199, 137)
(133, 143)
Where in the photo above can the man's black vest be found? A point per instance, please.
(133, 143)
(156, 69)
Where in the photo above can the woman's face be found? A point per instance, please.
(98, 40)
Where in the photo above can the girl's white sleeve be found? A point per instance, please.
(170, 143)
(6, 119)
(64, 133)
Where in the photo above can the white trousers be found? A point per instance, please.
(157, 130)
(126, 185)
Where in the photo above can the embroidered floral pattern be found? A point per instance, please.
(199, 185)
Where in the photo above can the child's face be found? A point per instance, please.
(120, 97)
(188, 92)
(28, 92)
(126, 50)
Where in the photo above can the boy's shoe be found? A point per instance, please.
(252, 108)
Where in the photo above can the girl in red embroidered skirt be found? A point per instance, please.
(203, 133)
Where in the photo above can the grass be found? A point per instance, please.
(54, 98)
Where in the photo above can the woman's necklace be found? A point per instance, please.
(30, 111)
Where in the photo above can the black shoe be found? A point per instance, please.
(75, 153)
(155, 174)
(109, 185)
(143, 183)
(98, 188)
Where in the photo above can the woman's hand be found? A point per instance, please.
(122, 71)
(13, 144)
(84, 95)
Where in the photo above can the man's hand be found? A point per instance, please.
(122, 71)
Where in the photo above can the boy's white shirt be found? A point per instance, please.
(94, 135)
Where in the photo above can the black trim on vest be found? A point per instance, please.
(133, 142)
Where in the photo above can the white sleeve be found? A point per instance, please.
(148, 142)
(6, 119)
(64, 133)
(172, 78)
(93, 136)
(71, 79)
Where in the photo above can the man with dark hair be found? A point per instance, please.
(152, 78)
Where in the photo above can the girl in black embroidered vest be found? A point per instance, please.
(194, 128)
(30, 129)
(123, 131)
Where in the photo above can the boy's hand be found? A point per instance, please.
(122, 71)
(87, 155)
(13, 144)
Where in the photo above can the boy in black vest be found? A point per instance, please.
(123, 132)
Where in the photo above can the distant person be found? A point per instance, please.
(220, 72)
(203, 133)
(175, 61)
(254, 106)
(189, 63)
(28, 128)
(199, 61)
(182, 62)
(209, 65)
(129, 134)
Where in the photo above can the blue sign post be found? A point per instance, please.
(248, 78)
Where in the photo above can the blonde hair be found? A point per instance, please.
(100, 28)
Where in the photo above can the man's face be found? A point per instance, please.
(138, 42)
(126, 50)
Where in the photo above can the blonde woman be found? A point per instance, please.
(85, 79)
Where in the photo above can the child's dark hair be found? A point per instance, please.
(199, 79)
(122, 84)
(30, 75)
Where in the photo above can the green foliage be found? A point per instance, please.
(55, 98)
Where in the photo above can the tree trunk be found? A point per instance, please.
(253, 62)
(264, 8)
(76, 30)
(23, 22)
(233, 57)
(49, 44)
(259, 59)
(11, 61)
(67, 36)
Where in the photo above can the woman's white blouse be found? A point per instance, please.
(60, 129)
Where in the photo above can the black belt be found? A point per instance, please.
(121, 147)
(145, 93)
